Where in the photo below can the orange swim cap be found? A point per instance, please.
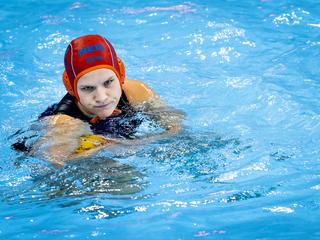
(85, 54)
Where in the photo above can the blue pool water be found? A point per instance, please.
(246, 165)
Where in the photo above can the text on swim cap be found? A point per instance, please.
(90, 48)
(91, 59)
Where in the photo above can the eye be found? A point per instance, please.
(87, 88)
(108, 82)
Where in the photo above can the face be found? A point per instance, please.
(99, 92)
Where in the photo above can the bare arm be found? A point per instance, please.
(62, 137)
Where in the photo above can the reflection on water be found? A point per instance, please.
(197, 154)
(91, 176)
(82, 177)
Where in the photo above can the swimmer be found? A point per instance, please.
(101, 106)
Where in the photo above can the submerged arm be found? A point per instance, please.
(142, 97)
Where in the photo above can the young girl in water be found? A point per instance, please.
(101, 107)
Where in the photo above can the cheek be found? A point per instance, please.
(85, 99)
(117, 91)
(116, 94)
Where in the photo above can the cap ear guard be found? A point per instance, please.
(122, 71)
(67, 83)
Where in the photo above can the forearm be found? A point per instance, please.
(60, 138)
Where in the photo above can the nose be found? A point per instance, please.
(101, 95)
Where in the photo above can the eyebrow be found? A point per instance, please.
(110, 78)
(87, 85)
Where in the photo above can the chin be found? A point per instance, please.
(105, 114)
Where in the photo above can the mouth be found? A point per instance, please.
(103, 106)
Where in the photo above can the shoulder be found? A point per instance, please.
(137, 91)
(66, 106)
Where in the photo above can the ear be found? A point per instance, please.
(67, 83)
(121, 71)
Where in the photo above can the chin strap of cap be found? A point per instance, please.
(96, 119)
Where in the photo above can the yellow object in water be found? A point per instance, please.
(89, 141)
